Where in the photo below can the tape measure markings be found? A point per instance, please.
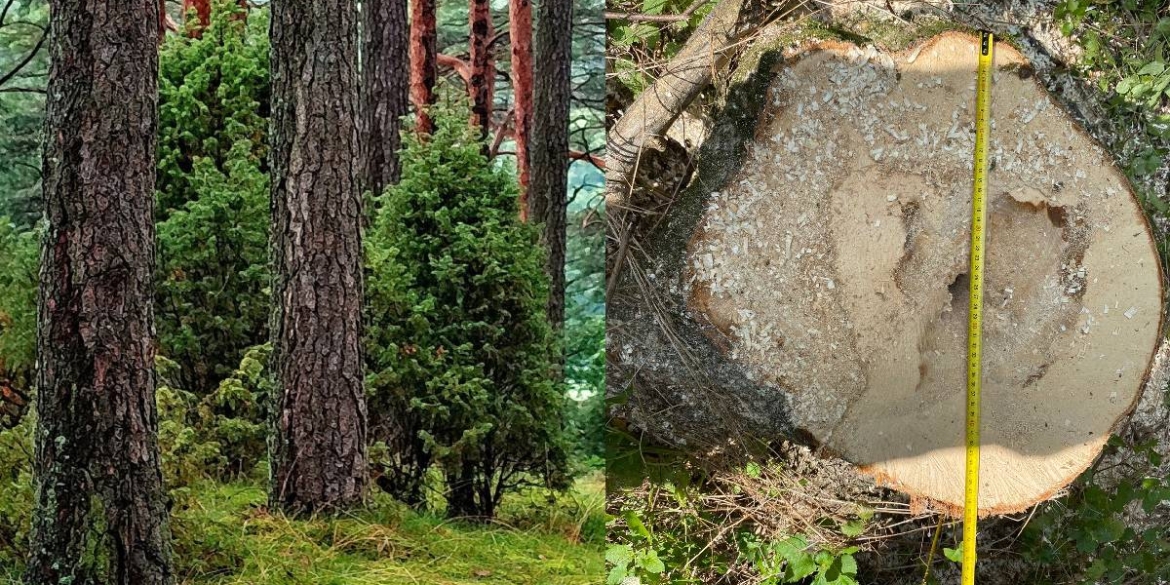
(975, 319)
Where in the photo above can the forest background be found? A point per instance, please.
(212, 305)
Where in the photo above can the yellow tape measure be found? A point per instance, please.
(975, 321)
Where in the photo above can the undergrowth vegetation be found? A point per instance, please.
(1111, 527)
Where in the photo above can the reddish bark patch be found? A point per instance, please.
(520, 32)
(423, 62)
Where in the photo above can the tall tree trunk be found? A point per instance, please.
(385, 91)
(100, 514)
(483, 71)
(423, 62)
(520, 31)
(318, 452)
(548, 191)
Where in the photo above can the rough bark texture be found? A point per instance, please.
(548, 191)
(100, 515)
(318, 448)
(520, 32)
(385, 92)
(483, 70)
(423, 62)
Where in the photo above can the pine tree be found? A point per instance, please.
(548, 191)
(318, 451)
(100, 515)
(385, 91)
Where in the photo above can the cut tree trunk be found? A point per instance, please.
(483, 70)
(548, 191)
(816, 284)
(319, 446)
(100, 513)
(520, 33)
(385, 91)
(423, 66)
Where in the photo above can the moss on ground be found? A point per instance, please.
(225, 535)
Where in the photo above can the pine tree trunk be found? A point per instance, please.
(423, 62)
(520, 31)
(100, 514)
(318, 452)
(385, 91)
(547, 198)
(483, 72)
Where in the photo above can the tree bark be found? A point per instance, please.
(548, 190)
(100, 515)
(385, 92)
(483, 71)
(423, 62)
(520, 32)
(318, 449)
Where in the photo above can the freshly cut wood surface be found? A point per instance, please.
(833, 267)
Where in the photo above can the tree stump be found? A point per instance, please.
(824, 278)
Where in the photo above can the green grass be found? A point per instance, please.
(224, 534)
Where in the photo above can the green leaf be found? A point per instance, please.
(636, 525)
(853, 528)
(653, 6)
(799, 567)
(619, 554)
(1152, 68)
(651, 563)
(955, 555)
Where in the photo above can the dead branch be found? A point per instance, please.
(685, 76)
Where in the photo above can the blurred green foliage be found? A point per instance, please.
(19, 260)
(24, 62)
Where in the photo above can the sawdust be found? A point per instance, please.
(834, 268)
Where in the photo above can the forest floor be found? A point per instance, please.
(224, 534)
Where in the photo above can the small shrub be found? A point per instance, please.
(220, 436)
(16, 492)
(212, 213)
(236, 414)
(19, 261)
(460, 351)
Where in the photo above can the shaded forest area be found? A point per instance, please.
(375, 314)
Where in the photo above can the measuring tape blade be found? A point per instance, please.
(975, 319)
